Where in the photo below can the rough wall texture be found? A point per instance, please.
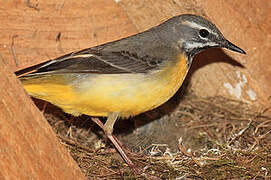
(29, 148)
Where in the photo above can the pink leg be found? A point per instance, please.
(117, 145)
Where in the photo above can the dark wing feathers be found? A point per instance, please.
(95, 61)
(135, 54)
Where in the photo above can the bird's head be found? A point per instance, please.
(192, 34)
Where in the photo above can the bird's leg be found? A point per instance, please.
(109, 124)
(108, 129)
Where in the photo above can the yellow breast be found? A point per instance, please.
(97, 95)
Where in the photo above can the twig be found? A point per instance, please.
(13, 51)
(28, 4)
(60, 7)
(58, 36)
(240, 133)
(72, 143)
(1, 57)
(44, 107)
(257, 139)
(58, 42)
(187, 152)
(263, 124)
(209, 158)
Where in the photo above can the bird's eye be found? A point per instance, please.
(203, 33)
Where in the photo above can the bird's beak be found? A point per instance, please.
(227, 44)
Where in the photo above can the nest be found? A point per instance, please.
(201, 138)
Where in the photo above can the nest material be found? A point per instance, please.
(202, 138)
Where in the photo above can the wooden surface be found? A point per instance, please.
(29, 149)
(54, 28)
(81, 24)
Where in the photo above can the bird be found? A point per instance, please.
(126, 77)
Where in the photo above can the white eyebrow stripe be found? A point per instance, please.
(194, 25)
(198, 26)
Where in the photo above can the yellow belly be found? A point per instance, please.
(98, 95)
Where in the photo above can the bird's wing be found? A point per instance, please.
(95, 60)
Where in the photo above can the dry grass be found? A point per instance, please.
(202, 138)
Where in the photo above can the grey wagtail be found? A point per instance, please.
(126, 77)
